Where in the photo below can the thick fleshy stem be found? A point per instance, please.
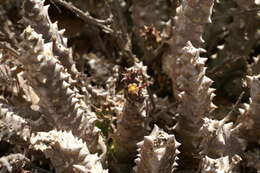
(36, 15)
(249, 120)
(157, 153)
(150, 12)
(219, 143)
(222, 164)
(194, 96)
(219, 139)
(132, 123)
(191, 16)
(187, 69)
(66, 152)
(13, 128)
(60, 101)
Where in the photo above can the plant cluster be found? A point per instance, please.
(129, 86)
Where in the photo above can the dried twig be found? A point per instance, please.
(86, 16)
(234, 106)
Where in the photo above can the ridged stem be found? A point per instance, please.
(191, 17)
(132, 121)
(249, 120)
(36, 15)
(194, 96)
(66, 152)
(13, 128)
(157, 153)
(60, 101)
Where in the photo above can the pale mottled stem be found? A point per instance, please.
(250, 120)
(187, 69)
(132, 122)
(36, 15)
(59, 100)
(191, 17)
(219, 143)
(219, 139)
(223, 164)
(150, 12)
(157, 153)
(194, 94)
(66, 152)
(13, 128)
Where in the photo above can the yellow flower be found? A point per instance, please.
(132, 88)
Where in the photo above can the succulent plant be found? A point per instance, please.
(85, 98)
